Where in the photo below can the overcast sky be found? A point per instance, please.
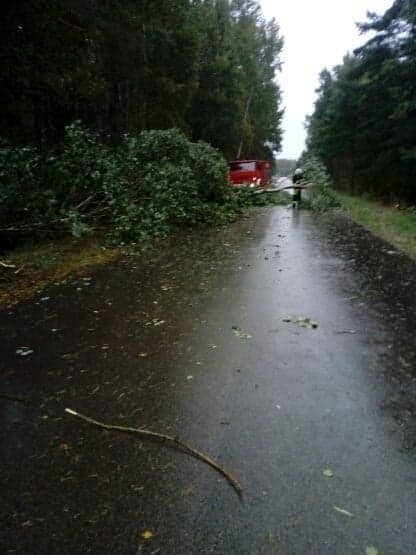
(317, 34)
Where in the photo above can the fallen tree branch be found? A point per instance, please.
(291, 186)
(5, 265)
(86, 201)
(168, 439)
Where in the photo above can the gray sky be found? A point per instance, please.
(317, 34)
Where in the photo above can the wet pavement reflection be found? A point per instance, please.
(206, 337)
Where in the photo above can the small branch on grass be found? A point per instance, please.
(164, 438)
(11, 267)
(8, 266)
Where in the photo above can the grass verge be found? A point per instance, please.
(52, 262)
(398, 227)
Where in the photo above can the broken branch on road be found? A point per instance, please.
(164, 438)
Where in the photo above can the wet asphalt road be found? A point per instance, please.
(190, 340)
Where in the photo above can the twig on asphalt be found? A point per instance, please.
(168, 439)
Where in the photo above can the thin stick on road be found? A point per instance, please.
(164, 438)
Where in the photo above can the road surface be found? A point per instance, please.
(203, 338)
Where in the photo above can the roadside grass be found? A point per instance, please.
(398, 227)
(35, 266)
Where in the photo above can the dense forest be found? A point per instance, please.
(122, 113)
(364, 123)
(206, 67)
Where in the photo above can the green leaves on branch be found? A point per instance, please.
(143, 188)
(321, 197)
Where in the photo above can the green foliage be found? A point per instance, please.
(270, 199)
(205, 67)
(321, 196)
(211, 172)
(146, 187)
(315, 172)
(84, 168)
(257, 48)
(171, 181)
(19, 175)
(21, 197)
(78, 227)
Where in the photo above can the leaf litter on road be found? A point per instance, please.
(302, 321)
(24, 351)
(241, 333)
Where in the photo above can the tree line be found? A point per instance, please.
(206, 67)
(119, 115)
(364, 123)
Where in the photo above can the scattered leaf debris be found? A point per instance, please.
(241, 333)
(155, 322)
(302, 321)
(24, 351)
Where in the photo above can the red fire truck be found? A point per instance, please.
(252, 172)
